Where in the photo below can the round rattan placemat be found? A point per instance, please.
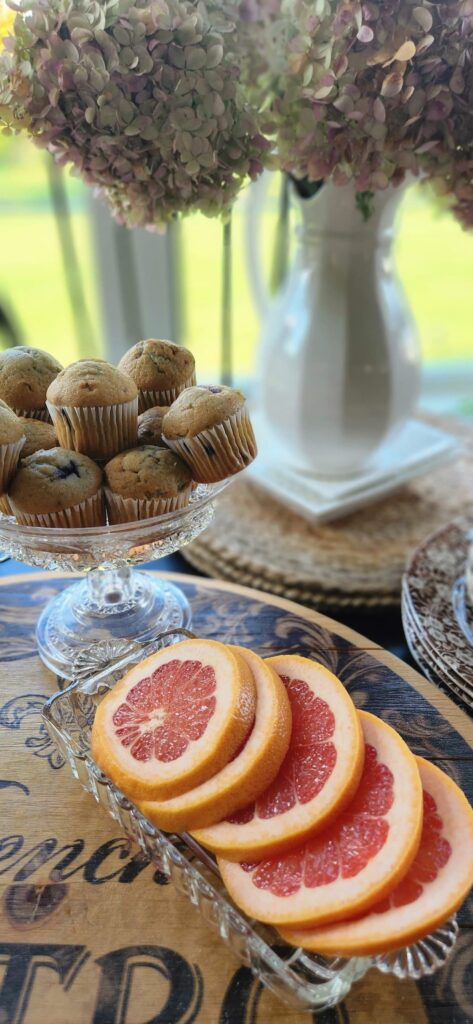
(356, 561)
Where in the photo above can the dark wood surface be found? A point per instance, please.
(382, 625)
(88, 933)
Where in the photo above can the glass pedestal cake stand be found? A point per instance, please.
(113, 602)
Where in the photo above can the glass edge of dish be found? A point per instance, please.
(14, 529)
(307, 993)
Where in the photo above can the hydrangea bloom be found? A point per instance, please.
(141, 96)
(371, 90)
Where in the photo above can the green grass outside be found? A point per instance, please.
(435, 262)
(434, 256)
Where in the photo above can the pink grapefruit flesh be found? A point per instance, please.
(353, 863)
(435, 885)
(249, 773)
(317, 778)
(175, 719)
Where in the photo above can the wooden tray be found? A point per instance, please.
(89, 933)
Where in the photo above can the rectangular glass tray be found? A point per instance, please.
(300, 979)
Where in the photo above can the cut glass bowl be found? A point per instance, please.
(301, 979)
(114, 601)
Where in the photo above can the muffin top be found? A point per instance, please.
(39, 436)
(147, 472)
(150, 425)
(11, 426)
(48, 481)
(91, 382)
(199, 408)
(25, 375)
(158, 365)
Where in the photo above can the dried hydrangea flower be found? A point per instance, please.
(142, 97)
(373, 90)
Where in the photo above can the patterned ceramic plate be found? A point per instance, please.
(437, 611)
(434, 657)
(426, 658)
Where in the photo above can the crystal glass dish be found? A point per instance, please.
(113, 601)
(303, 980)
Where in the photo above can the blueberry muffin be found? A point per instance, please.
(39, 436)
(12, 440)
(25, 375)
(160, 370)
(94, 409)
(58, 488)
(145, 482)
(209, 427)
(150, 425)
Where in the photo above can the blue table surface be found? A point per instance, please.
(384, 626)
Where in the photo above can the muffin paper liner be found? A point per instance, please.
(34, 414)
(129, 510)
(148, 399)
(9, 459)
(90, 512)
(97, 431)
(219, 451)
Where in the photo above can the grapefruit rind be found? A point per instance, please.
(248, 774)
(350, 895)
(226, 730)
(401, 925)
(259, 837)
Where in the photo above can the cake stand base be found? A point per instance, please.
(108, 605)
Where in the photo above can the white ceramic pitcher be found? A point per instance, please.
(339, 360)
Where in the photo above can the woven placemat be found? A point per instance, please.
(355, 561)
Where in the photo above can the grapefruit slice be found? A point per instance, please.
(175, 719)
(252, 769)
(433, 888)
(318, 776)
(355, 861)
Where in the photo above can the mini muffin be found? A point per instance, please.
(150, 425)
(160, 370)
(209, 427)
(145, 482)
(39, 436)
(94, 409)
(12, 439)
(58, 488)
(25, 375)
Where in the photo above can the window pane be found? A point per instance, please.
(33, 282)
(435, 261)
(434, 256)
(202, 285)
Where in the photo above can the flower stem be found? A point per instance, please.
(365, 204)
(226, 354)
(281, 241)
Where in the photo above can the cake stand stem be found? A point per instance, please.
(113, 604)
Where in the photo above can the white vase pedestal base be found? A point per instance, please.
(417, 448)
